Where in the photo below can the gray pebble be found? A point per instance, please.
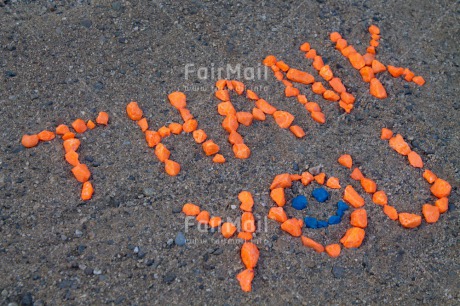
(217, 251)
(136, 250)
(180, 239)
(102, 277)
(88, 271)
(97, 272)
(295, 166)
(169, 278)
(148, 192)
(316, 170)
(27, 299)
(116, 6)
(338, 272)
(78, 233)
(86, 23)
(99, 86)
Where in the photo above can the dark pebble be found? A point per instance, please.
(88, 271)
(27, 299)
(86, 23)
(338, 272)
(218, 252)
(295, 166)
(65, 284)
(208, 267)
(17, 150)
(89, 158)
(81, 249)
(177, 209)
(122, 40)
(119, 300)
(99, 86)
(116, 6)
(10, 74)
(141, 254)
(169, 278)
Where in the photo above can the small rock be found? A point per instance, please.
(136, 250)
(320, 194)
(177, 209)
(169, 278)
(116, 6)
(299, 202)
(97, 272)
(27, 299)
(89, 158)
(88, 271)
(65, 284)
(5, 293)
(99, 86)
(338, 272)
(295, 166)
(81, 249)
(315, 170)
(310, 222)
(86, 23)
(10, 74)
(334, 220)
(180, 239)
(148, 192)
(170, 241)
(141, 254)
(78, 233)
(218, 252)
(119, 300)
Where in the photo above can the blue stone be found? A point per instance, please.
(180, 239)
(320, 194)
(340, 213)
(341, 205)
(310, 222)
(322, 223)
(299, 202)
(334, 220)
